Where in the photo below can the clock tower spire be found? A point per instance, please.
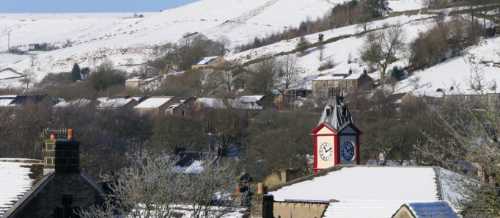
(335, 138)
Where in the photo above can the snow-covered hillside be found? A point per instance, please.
(342, 52)
(125, 39)
(479, 65)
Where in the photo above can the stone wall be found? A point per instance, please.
(403, 212)
(284, 209)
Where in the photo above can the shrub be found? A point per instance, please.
(397, 73)
(105, 77)
(443, 41)
(303, 44)
(329, 64)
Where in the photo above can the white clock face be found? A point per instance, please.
(325, 151)
(347, 151)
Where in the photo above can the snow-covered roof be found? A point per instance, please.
(134, 79)
(249, 102)
(75, 103)
(351, 71)
(363, 191)
(207, 60)
(196, 167)
(439, 209)
(153, 102)
(15, 180)
(106, 102)
(7, 100)
(215, 103)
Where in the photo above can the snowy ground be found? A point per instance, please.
(456, 75)
(341, 51)
(370, 192)
(125, 39)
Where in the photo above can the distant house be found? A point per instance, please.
(209, 62)
(106, 103)
(248, 102)
(439, 209)
(10, 101)
(326, 86)
(154, 105)
(294, 97)
(209, 103)
(181, 107)
(144, 84)
(82, 102)
(7, 100)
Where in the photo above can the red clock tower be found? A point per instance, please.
(336, 138)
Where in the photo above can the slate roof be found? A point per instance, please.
(336, 114)
(39, 186)
(15, 179)
(438, 209)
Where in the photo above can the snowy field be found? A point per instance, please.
(127, 39)
(372, 192)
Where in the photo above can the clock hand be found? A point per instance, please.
(328, 150)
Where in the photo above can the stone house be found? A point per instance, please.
(181, 107)
(327, 86)
(63, 190)
(145, 84)
(209, 63)
(115, 103)
(154, 105)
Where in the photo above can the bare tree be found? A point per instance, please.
(28, 78)
(262, 76)
(467, 131)
(288, 71)
(382, 47)
(154, 187)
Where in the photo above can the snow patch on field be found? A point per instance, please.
(406, 5)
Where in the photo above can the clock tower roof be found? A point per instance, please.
(336, 114)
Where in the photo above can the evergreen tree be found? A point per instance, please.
(375, 8)
(76, 73)
(303, 44)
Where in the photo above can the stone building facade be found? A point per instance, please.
(63, 191)
(328, 86)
